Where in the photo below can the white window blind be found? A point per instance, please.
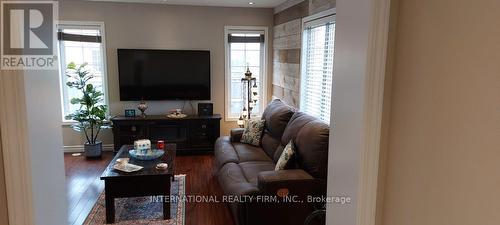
(317, 67)
(244, 47)
(81, 43)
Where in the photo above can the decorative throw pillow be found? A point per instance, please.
(286, 157)
(253, 132)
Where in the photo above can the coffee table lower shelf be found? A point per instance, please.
(139, 187)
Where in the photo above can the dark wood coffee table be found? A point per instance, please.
(149, 181)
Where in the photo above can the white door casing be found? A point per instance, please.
(362, 28)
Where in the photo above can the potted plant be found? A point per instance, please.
(90, 118)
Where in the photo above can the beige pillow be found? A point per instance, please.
(286, 157)
(253, 132)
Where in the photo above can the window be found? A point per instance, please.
(245, 47)
(317, 67)
(81, 43)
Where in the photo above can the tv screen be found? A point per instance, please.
(164, 74)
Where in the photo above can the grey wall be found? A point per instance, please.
(3, 195)
(287, 48)
(163, 27)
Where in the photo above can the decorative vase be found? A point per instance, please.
(93, 150)
(142, 107)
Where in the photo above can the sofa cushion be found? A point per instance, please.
(235, 134)
(296, 123)
(270, 143)
(310, 136)
(224, 152)
(312, 147)
(251, 170)
(234, 182)
(277, 115)
(298, 120)
(246, 152)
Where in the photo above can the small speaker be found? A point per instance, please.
(205, 109)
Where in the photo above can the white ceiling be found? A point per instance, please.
(223, 3)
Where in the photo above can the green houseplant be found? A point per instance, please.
(90, 118)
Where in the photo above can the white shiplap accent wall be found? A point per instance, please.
(286, 76)
(286, 5)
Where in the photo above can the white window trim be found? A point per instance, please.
(93, 24)
(322, 14)
(312, 20)
(263, 75)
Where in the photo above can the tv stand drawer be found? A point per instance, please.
(192, 134)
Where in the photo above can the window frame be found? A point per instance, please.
(78, 25)
(263, 68)
(311, 21)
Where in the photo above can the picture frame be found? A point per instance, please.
(130, 113)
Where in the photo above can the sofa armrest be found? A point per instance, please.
(294, 182)
(236, 134)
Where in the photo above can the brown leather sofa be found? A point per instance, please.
(246, 170)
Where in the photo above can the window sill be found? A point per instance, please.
(68, 123)
(235, 119)
(231, 119)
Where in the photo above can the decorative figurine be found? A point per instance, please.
(142, 107)
(142, 146)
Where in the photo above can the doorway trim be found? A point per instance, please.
(16, 152)
(357, 101)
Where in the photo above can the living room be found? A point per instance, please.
(222, 43)
(160, 29)
(230, 59)
(257, 112)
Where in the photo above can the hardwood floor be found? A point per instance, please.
(84, 186)
(201, 180)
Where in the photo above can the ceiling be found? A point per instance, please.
(223, 3)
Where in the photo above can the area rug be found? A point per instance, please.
(142, 210)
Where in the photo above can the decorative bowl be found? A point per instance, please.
(141, 156)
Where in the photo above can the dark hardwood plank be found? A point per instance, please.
(84, 187)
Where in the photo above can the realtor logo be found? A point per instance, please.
(28, 35)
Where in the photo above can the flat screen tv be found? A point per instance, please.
(164, 74)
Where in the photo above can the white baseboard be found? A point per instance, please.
(79, 148)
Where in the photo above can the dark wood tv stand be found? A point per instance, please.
(192, 134)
